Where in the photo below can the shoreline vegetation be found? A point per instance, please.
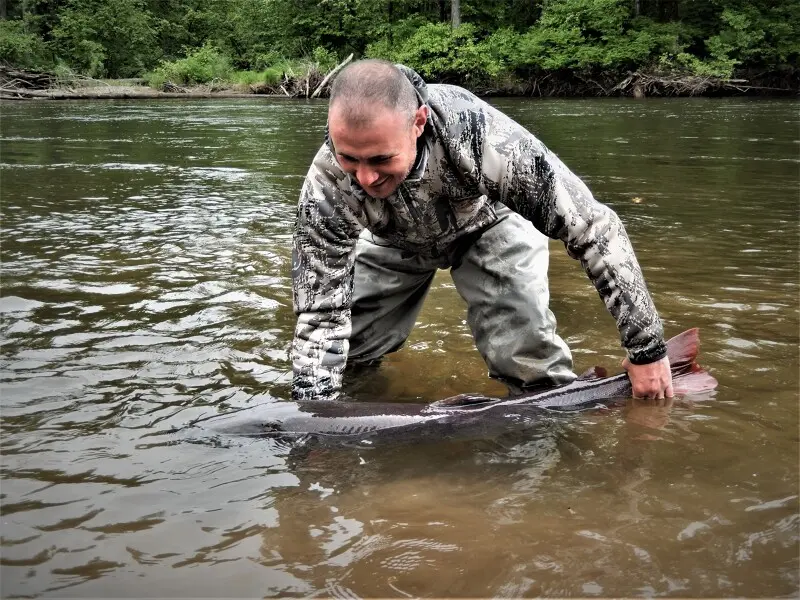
(16, 84)
(61, 49)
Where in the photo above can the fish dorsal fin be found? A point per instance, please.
(461, 401)
(593, 373)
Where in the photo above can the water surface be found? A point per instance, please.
(145, 283)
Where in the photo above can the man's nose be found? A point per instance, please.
(366, 176)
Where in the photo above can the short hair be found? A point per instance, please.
(365, 83)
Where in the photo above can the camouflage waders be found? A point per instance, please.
(502, 277)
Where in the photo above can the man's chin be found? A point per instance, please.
(382, 191)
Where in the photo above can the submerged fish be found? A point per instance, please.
(465, 415)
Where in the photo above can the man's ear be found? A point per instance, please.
(420, 118)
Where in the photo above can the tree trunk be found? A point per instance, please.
(3, 10)
(455, 13)
(391, 22)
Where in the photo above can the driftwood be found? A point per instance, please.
(168, 86)
(11, 78)
(640, 85)
(330, 76)
(297, 87)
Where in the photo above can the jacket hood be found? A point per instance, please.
(419, 84)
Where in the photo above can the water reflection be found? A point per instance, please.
(145, 285)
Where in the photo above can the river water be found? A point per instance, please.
(145, 283)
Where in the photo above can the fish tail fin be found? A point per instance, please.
(682, 349)
(693, 382)
(687, 376)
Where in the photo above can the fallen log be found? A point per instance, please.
(330, 76)
(12, 97)
(127, 94)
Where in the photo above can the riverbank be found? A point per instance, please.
(27, 85)
(112, 91)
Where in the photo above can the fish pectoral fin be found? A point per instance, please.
(593, 373)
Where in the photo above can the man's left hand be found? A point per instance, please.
(653, 380)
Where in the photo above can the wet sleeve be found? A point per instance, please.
(523, 174)
(323, 256)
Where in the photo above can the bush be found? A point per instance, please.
(270, 76)
(324, 58)
(689, 63)
(200, 66)
(273, 76)
(502, 50)
(155, 79)
(246, 77)
(265, 60)
(22, 49)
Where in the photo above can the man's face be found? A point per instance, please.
(380, 153)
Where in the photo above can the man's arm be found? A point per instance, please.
(323, 256)
(531, 180)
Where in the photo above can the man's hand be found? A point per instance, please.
(653, 380)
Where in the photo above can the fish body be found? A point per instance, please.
(466, 415)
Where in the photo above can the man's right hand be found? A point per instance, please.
(653, 380)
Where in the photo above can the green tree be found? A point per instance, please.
(21, 48)
(588, 35)
(106, 38)
(497, 38)
(753, 35)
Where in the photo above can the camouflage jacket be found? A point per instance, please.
(469, 157)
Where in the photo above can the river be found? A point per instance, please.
(145, 283)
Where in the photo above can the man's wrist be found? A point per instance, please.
(649, 356)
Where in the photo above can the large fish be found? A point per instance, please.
(463, 416)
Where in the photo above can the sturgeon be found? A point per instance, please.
(463, 416)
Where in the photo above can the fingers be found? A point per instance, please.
(652, 381)
(656, 391)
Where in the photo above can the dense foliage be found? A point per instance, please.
(201, 40)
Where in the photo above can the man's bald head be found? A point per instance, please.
(367, 85)
(374, 124)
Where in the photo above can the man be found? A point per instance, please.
(413, 178)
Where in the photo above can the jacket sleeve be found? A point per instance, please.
(323, 255)
(521, 172)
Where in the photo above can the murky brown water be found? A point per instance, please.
(145, 283)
